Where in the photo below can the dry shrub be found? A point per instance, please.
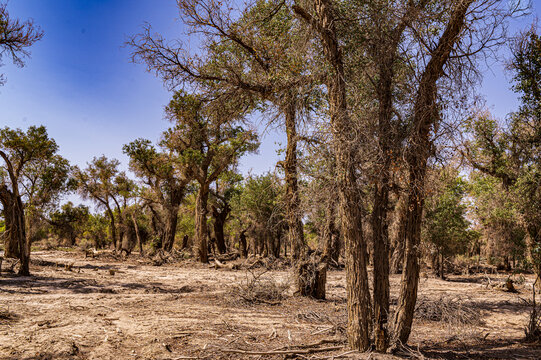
(256, 289)
(533, 329)
(311, 277)
(452, 311)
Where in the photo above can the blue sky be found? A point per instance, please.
(80, 83)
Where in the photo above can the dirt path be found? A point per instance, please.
(106, 309)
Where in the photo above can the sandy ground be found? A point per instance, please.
(108, 309)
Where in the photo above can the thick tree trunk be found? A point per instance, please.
(219, 223)
(410, 274)
(171, 220)
(11, 240)
(345, 141)
(295, 227)
(201, 223)
(17, 241)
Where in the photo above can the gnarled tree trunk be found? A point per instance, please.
(17, 243)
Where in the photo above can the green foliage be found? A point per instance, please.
(259, 202)
(445, 224)
(69, 221)
(31, 160)
(96, 230)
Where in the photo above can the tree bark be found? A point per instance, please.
(112, 227)
(295, 226)
(243, 245)
(11, 241)
(358, 294)
(219, 223)
(397, 259)
(139, 242)
(170, 230)
(17, 242)
(331, 250)
(424, 116)
(201, 222)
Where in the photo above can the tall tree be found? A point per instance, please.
(260, 54)
(32, 175)
(208, 138)
(104, 184)
(166, 178)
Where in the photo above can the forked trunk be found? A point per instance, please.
(425, 114)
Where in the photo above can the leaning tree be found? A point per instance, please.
(33, 176)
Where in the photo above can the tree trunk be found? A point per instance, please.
(380, 234)
(345, 141)
(171, 220)
(397, 259)
(201, 222)
(139, 242)
(331, 250)
(295, 226)
(11, 242)
(424, 116)
(242, 245)
(17, 243)
(219, 223)
(112, 227)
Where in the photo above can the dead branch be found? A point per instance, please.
(282, 352)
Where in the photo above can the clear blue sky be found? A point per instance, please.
(80, 83)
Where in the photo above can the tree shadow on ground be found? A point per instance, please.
(486, 349)
(34, 285)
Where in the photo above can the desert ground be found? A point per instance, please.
(77, 307)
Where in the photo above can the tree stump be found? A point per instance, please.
(311, 276)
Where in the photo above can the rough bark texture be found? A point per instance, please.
(171, 220)
(219, 222)
(16, 241)
(295, 226)
(11, 242)
(331, 235)
(358, 295)
(312, 277)
(243, 245)
(201, 223)
(397, 259)
(112, 227)
(424, 116)
(139, 241)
